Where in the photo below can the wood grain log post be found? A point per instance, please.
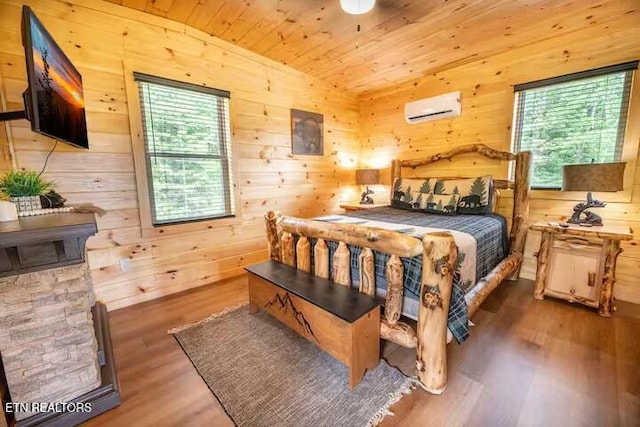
(481, 149)
(395, 173)
(395, 290)
(520, 218)
(288, 249)
(342, 265)
(438, 263)
(543, 265)
(496, 200)
(377, 239)
(400, 333)
(303, 254)
(271, 220)
(606, 305)
(366, 272)
(487, 284)
(321, 259)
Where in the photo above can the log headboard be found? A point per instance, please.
(520, 184)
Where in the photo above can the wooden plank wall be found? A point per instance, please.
(5, 154)
(487, 106)
(5, 157)
(102, 38)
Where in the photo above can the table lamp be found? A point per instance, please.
(367, 177)
(591, 177)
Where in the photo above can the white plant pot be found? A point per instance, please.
(8, 211)
(27, 203)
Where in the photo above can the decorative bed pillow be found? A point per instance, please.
(444, 204)
(475, 193)
(404, 190)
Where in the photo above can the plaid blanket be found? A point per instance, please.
(490, 232)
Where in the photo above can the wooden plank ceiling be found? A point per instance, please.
(398, 40)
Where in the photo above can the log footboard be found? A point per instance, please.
(400, 333)
(487, 284)
(439, 253)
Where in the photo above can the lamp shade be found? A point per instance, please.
(357, 7)
(593, 177)
(367, 176)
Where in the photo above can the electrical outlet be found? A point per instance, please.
(125, 264)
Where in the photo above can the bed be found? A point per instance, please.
(481, 241)
(420, 262)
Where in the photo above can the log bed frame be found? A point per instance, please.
(439, 252)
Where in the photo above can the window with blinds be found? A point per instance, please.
(188, 150)
(572, 119)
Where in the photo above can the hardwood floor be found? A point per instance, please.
(527, 363)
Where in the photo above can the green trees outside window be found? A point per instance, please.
(573, 122)
(187, 147)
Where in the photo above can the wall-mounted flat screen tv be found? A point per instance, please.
(54, 102)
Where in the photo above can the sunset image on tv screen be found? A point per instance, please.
(58, 86)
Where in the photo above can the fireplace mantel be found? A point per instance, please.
(43, 242)
(55, 344)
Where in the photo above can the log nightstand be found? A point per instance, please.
(578, 264)
(355, 206)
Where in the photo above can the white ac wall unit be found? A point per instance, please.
(437, 107)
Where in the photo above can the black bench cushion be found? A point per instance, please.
(346, 303)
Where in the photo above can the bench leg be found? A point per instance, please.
(354, 377)
(365, 346)
(253, 307)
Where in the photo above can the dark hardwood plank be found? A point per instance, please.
(159, 385)
(527, 362)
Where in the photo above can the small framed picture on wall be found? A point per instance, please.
(307, 133)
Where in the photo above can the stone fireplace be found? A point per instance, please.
(54, 339)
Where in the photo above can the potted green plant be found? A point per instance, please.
(24, 188)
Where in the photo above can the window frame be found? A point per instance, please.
(140, 158)
(629, 149)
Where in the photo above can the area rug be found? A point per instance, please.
(264, 374)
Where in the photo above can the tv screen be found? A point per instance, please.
(54, 100)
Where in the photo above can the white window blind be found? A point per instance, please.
(572, 119)
(188, 150)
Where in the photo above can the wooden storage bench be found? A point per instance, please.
(340, 320)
